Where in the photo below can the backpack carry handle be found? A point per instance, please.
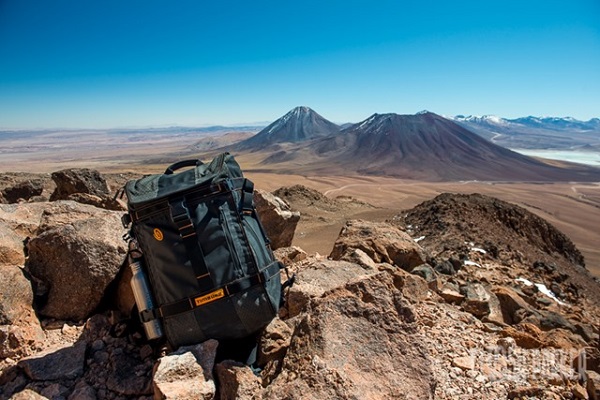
(182, 164)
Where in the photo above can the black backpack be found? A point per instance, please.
(200, 249)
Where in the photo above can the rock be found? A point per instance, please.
(78, 180)
(424, 271)
(290, 255)
(357, 342)
(20, 330)
(83, 391)
(579, 392)
(187, 373)
(105, 202)
(477, 299)
(123, 370)
(593, 385)
(318, 276)
(28, 394)
(510, 304)
(23, 219)
(11, 247)
(237, 381)
(525, 392)
(450, 294)
(382, 242)
(357, 256)
(277, 218)
(274, 342)
(464, 363)
(76, 255)
(23, 190)
(66, 363)
(413, 287)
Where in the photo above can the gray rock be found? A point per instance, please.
(477, 299)
(277, 218)
(76, 255)
(424, 271)
(66, 363)
(382, 242)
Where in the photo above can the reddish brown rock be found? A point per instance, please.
(382, 242)
(237, 381)
(277, 218)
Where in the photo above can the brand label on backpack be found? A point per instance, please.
(207, 298)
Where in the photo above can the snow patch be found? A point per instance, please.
(477, 249)
(467, 262)
(419, 239)
(543, 289)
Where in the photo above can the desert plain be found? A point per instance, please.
(573, 207)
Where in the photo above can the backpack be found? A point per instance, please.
(202, 264)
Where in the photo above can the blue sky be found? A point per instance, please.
(101, 64)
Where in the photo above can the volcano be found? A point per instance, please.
(299, 125)
(425, 146)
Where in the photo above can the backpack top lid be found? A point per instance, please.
(153, 187)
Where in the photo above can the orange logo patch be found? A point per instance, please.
(158, 235)
(207, 298)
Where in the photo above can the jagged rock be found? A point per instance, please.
(66, 363)
(319, 276)
(380, 241)
(187, 373)
(510, 304)
(290, 255)
(277, 218)
(593, 385)
(76, 255)
(356, 342)
(274, 341)
(11, 246)
(359, 257)
(20, 330)
(24, 190)
(123, 369)
(23, 219)
(237, 381)
(451, 294)
(78, 180)
(28, 394)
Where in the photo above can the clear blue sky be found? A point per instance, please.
(115, 63)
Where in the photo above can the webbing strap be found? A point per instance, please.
(247, 197)
(182, 219)
(203, 298)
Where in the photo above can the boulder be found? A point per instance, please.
(273, 346)
(512, 305)
(23, 190)
(277, 218)
(290, 255)
(359, 342)
(78, 180)
(20, 330)
(315, 277)
(28, 394)
(380, 241)
(105, 202)
(425, 271)
(187, 373)
(23, 219)
(76, 255)
(237, 381)
(11, 246)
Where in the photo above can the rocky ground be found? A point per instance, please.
(464, 296)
